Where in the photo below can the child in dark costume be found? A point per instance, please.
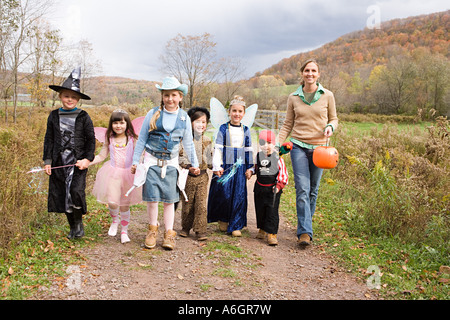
(271, 177)
(194, 212)
(69, 140)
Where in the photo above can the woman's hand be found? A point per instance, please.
(133, 169)
(328, 132)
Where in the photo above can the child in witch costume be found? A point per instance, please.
(69, 140)
(271, 177)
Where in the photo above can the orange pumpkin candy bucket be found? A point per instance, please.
(325, 157)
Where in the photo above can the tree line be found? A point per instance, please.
(33, 53)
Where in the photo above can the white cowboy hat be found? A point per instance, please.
(172, 83)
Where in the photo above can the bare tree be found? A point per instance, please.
(9, 16)
(24, 14)
(230, 70)
(44, 43)
(192, 60)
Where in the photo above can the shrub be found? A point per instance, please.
(397, 190)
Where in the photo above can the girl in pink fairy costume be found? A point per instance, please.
(114, 178)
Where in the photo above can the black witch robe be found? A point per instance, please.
(64, 143)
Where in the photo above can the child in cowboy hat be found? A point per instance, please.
(69, 140)
(163, 129)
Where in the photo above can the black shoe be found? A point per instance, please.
(78, 223)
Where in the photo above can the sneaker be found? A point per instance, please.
(113, 229)
(124, 237)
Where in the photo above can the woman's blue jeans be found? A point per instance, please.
(307, 179)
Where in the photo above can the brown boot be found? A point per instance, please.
(150, 239)
(272, 239)
(261, 234)
(169, 240)
(184, 233)
(201, 236)
(304, 240)
(223, 226)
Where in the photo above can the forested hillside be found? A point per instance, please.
(401, 68)
(117, 90)
(371, 47)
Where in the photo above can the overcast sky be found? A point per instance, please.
(129, 36)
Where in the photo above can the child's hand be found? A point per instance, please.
(219, 173)
(248, 174)
(48, 169)
(194, 171)
(83, 164)
(133, 169)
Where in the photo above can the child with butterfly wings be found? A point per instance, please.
(232, 160)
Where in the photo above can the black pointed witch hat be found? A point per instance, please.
(72, 83)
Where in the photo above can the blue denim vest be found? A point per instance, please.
(163, 144)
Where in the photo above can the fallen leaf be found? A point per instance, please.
(10, 271)
(404, 268)
(50, 246)
(444, 269)
(143, 265)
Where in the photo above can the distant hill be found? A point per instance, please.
(370, 47)
(113, 90)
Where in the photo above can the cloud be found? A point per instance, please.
(129, 36)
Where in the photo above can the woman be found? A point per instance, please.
(310, 119)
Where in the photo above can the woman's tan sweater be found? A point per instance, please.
(305, 122)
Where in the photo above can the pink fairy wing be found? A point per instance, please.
(137, 124)
(100, 134)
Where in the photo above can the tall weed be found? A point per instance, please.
(20, 203)
(397, 190)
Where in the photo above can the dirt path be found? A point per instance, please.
(222, 268)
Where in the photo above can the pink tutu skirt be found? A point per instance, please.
(112, 183)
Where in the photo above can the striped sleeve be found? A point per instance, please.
(282, 178)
